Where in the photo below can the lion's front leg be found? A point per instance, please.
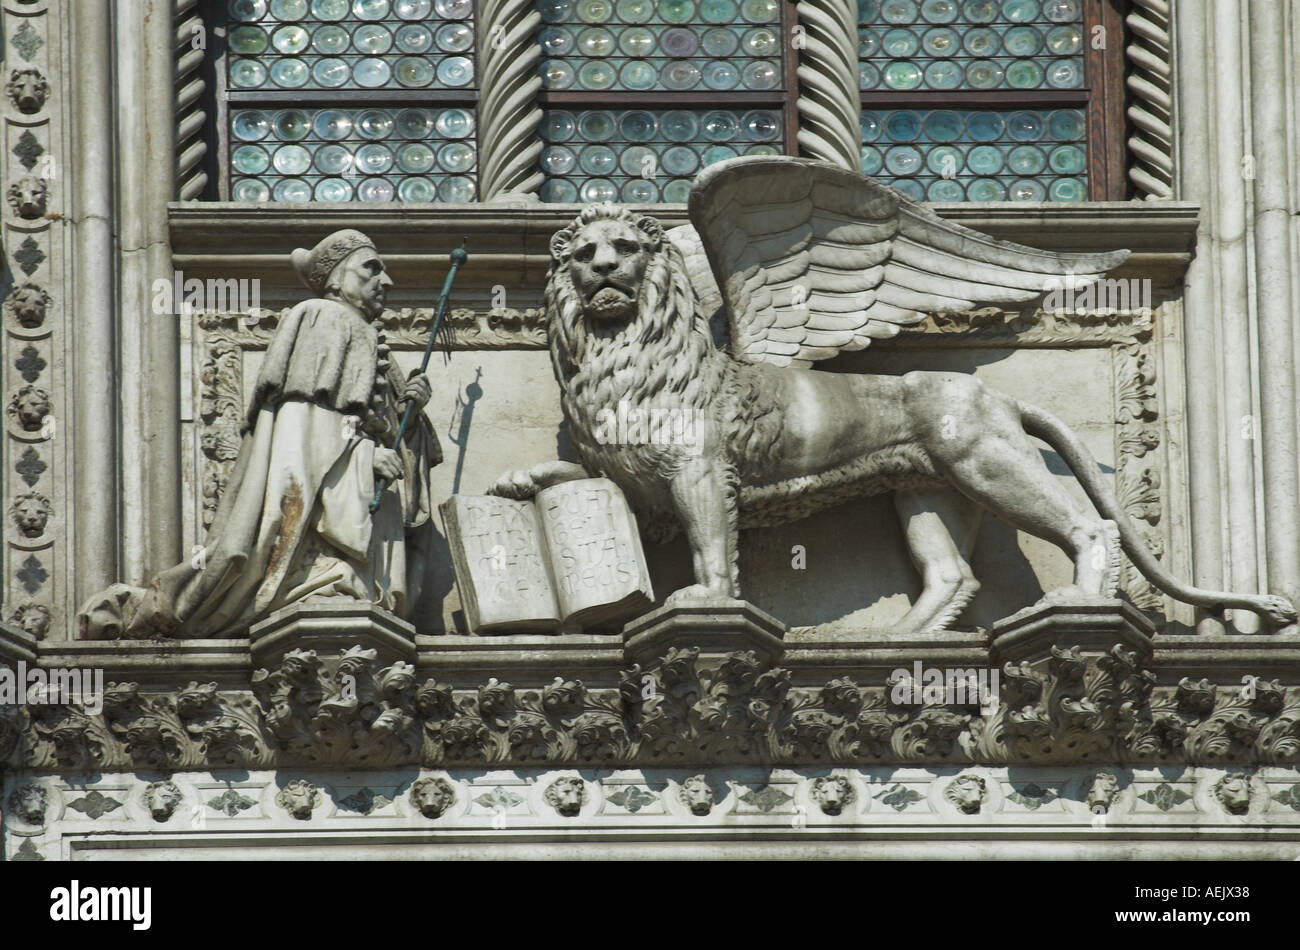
(706, 506)
(524, 484)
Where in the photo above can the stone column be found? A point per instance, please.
(829, 103)
(146, 41)
(1270, 110)
(93, 298)
(508, 115)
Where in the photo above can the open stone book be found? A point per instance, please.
(570, 558)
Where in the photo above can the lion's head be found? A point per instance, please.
(432, 796)
(605, 253)
(567, 794)
(832, 793)
(30, 511)
(696, 795)
(33, 618)
(161, 798)
(29, 196)
(27, 90)
(27, 304)
(967, 792)
(29, 407)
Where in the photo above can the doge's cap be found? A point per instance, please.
(315, 266)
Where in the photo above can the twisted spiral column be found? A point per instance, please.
(508, 116)
(829, 105)
(1150, 85)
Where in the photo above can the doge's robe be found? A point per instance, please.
(294, 519)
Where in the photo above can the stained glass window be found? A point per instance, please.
(351, 100)
(641, 94)
(984, 100)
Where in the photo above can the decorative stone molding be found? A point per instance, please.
(1094, 701)
(509, 117)
(829, 104)
(1149, 51)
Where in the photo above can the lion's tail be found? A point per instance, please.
(1043, 425)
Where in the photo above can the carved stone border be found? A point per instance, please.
(35, 394)
(53, 818)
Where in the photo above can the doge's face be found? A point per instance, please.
(607, 263)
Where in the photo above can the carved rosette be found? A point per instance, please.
(509, 117)
(1149, 50)
(829, 105)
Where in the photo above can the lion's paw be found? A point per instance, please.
(518, 485)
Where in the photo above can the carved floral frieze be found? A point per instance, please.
(356, 710)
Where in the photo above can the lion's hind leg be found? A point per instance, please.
(940, 527)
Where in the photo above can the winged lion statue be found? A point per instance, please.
(808, 260)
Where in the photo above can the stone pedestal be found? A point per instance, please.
(1094, 626)
(331, 626)
(715, 626)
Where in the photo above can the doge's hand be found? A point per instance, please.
(518, 485)
(388, 464)
(417, 391)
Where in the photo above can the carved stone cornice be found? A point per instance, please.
(353, 709)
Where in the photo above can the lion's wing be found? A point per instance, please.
(813, 260)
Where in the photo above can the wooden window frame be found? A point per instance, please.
(1101, 97)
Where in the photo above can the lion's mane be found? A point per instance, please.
(663, 357)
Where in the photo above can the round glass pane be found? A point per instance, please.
(679, 126)
(333, 189)
(900, 43)
(247, 9)
(558, 160)
(1065, 40)
(941, 41)
(414, 124)
(415, 158)
(455, 37)
(1025, 126)
(557, 189)
(456, 71)
(456, 157)
(1026, 160)
(680, 161)
(594, 11)
(594, 75)
(330, 72)
(292, 189)
(249, 40)
(597, 126)
(984, 126)
(291, 160)
(333, 159)
(370, 9)
(637, 160)
(374, 124)
(1065, 74)
(292, 125)
(330, 40)
(372, 39)
(251, 126)
(636, 41)
(416, 190)
(1067, 160)
(1022, 41)
(903, 126)
(720, 74)
(329, 9)
(981, 42)
(717, 153)
(290, 73)
(984, 74)
(761, 75)
(636, 11)
(1066, 189)
(984, 160)
(250, 189)
(456, 190)
(413, 71)
(1027, 189)
(1062, 11)
(453, 9)
(250, 160)
(638, 75)
(598, 160)
(598, 189)
(332, 125)
(943, 126)
(903, 160)
(557, 74)
(374, 159)
(945, 161)
(760, 11)
(376, 189)
(985, 189)
(1065, 125)
(247, 73)
(1024, 74)
(637, 126)
(413, 38)
(909, 187)
(872, 160)
(1020, 11)
(679, 75)
(981, 11)
(901, 74)
(945, 189)
(412, 9)
(871, 126)
(596, 41)
(372, 73)
(720, 126)
(944, 74)
(455, 123)
(718, 11)
(940, 11)
(760, 126)
(898, 11)
(640, 191)
(559, 126)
